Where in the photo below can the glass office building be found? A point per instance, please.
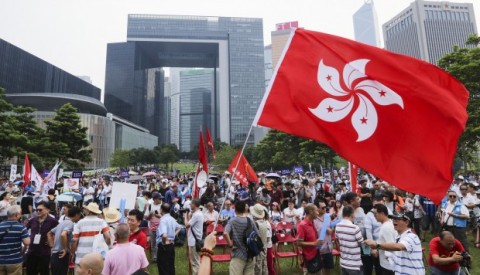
(232, 47)
(428, 30)
(21, 72)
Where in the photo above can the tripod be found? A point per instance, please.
(463, 271)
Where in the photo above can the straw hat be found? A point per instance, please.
(111, 215)
(258, 211)
(93, 207)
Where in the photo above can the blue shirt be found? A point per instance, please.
(429, 207)
(227, 213)
(167, 225)
(169, 196)
(11, 245)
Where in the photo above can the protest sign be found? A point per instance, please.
(13, 172)
(123, 190)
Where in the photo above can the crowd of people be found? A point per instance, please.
(375, 229)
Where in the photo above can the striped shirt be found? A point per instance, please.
(11, 245)
(84, 231)
(349, 237)
(409, 261)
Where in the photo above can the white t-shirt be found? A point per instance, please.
(108, 190)
(196, 224)
(288, 211)
(387, 235)
(88, 193)
(449, 208)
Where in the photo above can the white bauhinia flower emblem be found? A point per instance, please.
(365, 118)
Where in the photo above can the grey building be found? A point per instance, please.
(33, 82)
(232, 47)
(21, 72)
(428, 30)
(365, 24)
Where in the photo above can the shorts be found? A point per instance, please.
(327, 260)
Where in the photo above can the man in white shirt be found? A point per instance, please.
(387, 234)
(290, 213)
(108, 191)
(454, 217)
(194, 225)
(211, 215)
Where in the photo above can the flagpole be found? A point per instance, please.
(234, 171)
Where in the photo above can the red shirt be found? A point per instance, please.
(437, 248)
(306, 233)
(138, 238)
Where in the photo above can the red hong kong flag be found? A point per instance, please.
(353, 169)
(26, 171)
(210, 143)
(244, 172)
(395, 116)
(202, 154)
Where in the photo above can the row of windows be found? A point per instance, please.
(447, 15)
(446, 6)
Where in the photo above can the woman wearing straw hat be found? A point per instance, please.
(258, 214)
(111, 216)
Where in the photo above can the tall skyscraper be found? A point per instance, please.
(279, 39)
(365, 24)
(232, 47)
(196, 108)
(428, 30)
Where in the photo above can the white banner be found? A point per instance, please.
(35, 177)
(71, 184)
(50, 179)
(13, 172)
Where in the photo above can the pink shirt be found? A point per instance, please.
(124, 258)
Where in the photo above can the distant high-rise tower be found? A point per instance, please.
(365, 24)
(279, 39)
(428, 30)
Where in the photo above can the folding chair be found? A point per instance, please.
(219, 228)
(285, 240)
(220, 258)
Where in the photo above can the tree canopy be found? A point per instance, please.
(464, 64)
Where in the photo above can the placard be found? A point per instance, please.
(77, 174)
(13, 172)
(123, 190)
(71, 184)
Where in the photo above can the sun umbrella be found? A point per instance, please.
(76, 196)
(273, 175)
(132, 173)
(148, 174)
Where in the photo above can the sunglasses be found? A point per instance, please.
(323, 207)
(39, 210)
(452, 196)
(463, 189)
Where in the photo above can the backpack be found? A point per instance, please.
(52, 205)
(253, 241)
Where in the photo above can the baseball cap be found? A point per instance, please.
(399, 216)
(157, 195)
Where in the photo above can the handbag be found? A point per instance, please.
(198, 242)
(314, 265)
(99, 245)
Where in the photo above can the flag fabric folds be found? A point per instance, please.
(26, 171)
(36, 178)
(202, 154)
(210, 143)
(50, 179)
(244, 172)
(395, 116)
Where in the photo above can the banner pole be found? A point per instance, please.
(233, 175)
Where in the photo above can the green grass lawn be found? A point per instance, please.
(181, 262)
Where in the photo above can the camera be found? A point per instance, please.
(184, 210)
(466, 260)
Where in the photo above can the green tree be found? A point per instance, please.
(69, 138)
(224, 155)
(167, 154)
(120, 158)
(279, 150)
(464, 64)
(8, 133)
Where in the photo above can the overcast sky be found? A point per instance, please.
(73, 34)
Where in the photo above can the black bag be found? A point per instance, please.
(253, 241)
(198, 242)
(314, 265)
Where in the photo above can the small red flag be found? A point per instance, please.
(196, 190)
(245, 172)
(202, 154)
(26, 171)
(395, 116)
(210, 143)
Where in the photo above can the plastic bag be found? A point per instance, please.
(99, 244)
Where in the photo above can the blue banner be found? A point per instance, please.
(298, 170)
(285, 172)
(124, 174)
(77, 174)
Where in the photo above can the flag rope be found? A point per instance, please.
(233, 175)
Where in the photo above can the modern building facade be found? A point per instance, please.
(428, 30)
(22, 72)
(365, 24)
(232, 47)
(196, 108)
(279, 40)
(33, 82)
